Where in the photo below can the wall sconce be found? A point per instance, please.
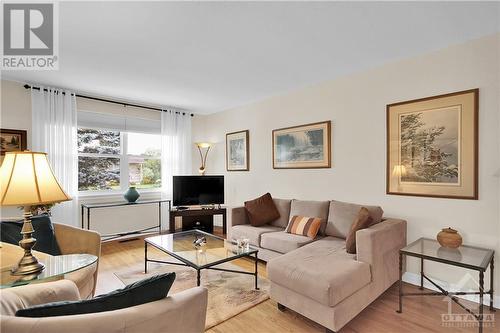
(203, 157)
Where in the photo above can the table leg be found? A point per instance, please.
(400, 283)
(198, 277)
(256, 271)
(481, 286)
(492, 267)
(88, 218)
(224, 223)
(145, 257)
(83, 214)
(159, 217)
(421, 273)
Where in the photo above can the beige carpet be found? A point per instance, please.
(228, 293)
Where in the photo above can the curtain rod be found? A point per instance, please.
(27, 86)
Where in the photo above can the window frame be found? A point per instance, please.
(123, 157)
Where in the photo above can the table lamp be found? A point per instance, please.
(26, 179)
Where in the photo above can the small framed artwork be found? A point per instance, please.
(302, 147)
(237, 151)
(432, 146)
(12, 140)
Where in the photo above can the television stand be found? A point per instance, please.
(182, 207)
(197, 218)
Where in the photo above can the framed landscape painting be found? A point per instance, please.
(237, 151)
(302, 147)
(12, 140)
(432, 146)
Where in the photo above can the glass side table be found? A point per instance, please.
(470, 257)
(55, 269)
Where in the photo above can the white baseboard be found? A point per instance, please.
(414, 279)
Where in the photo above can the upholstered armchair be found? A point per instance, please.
(71, 240)
(181, 312)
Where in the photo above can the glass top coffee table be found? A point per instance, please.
(214, 251)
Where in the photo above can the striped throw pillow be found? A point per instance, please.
(304, 225)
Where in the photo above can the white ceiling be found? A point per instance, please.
(208, 57)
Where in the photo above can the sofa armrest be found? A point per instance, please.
(75, 240)
(238, 217)
(181, 312)
(379, 246)
(13, 299)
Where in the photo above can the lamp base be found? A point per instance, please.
(28, 265)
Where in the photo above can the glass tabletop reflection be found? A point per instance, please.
(465, 256)
(216, 250)
(55, 268)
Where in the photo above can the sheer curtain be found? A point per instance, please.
(55, 133)
(175, 148)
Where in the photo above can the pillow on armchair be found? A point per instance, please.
(140, 292)
(10, 232)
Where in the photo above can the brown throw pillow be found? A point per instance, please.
(362, 221)
(304, 225)
(262, 210)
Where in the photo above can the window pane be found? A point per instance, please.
(98, 173)
(98, 141)
(144, 173)
(140, 144)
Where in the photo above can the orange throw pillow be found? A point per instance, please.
(304, 225)
(362, 221)
(262, 210)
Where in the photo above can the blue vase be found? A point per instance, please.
(131, 195)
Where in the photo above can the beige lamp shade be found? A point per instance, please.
(26, 179)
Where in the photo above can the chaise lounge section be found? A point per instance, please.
(318, 278)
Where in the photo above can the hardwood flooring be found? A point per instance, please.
(420, 314)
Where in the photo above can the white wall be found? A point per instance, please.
(356, 105)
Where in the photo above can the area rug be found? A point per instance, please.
(228, 293)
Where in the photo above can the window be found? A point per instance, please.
(144, 160)
(112, 160)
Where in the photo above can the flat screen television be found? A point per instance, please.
(198, 190)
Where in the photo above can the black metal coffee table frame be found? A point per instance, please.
(487, 261)
(186, 262)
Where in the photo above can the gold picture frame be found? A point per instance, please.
(432, 146)
(303, 147)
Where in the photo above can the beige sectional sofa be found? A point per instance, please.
(318, 278)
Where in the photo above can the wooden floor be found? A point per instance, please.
(420, 314)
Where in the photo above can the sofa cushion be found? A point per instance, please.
(362, 221)
(321, 270)
(283, 206)
(283, 242)
(342, 215)
(262, 210)
(252, 233)
(311, 208)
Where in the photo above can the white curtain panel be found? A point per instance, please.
(175, 148)
(54, 129)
